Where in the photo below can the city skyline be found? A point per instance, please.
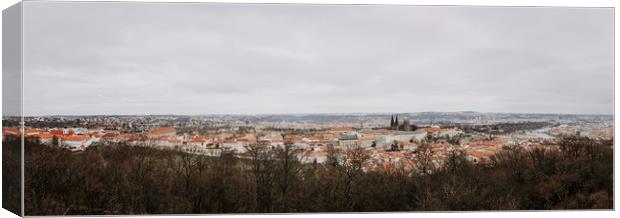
(139, 59)
(325, 113)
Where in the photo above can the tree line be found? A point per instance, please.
(120, 179)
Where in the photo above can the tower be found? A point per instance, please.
(406, 125)
(396, 125)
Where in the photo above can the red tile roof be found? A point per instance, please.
(75, 137)
(44, 136)
(10, 131)
(160, 130)
(480, 154)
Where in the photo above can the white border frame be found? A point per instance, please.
(566, 3)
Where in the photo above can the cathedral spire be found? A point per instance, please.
(396, 123)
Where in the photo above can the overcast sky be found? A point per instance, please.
(154, 58)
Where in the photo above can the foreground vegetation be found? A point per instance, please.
(135, 180)
(11, 174)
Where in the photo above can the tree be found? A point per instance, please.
(352, 168)
(288, 168)
(424, 154)
(262, 169)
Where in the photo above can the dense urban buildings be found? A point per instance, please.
(388, 142)
(312, 162)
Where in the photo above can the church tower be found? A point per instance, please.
(396, 125)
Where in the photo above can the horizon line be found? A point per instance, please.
(320, 113)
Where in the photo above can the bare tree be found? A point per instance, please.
(352, 169)
(262, 169)
(288, 169)
(424, 154)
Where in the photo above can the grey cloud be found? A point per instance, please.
(150, 58)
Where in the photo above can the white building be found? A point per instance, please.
(76, 142)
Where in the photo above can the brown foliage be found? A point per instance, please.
(135, 180)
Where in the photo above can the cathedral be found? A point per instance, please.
(405, 126)
(394, 123)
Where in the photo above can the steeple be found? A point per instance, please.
(396, 123)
